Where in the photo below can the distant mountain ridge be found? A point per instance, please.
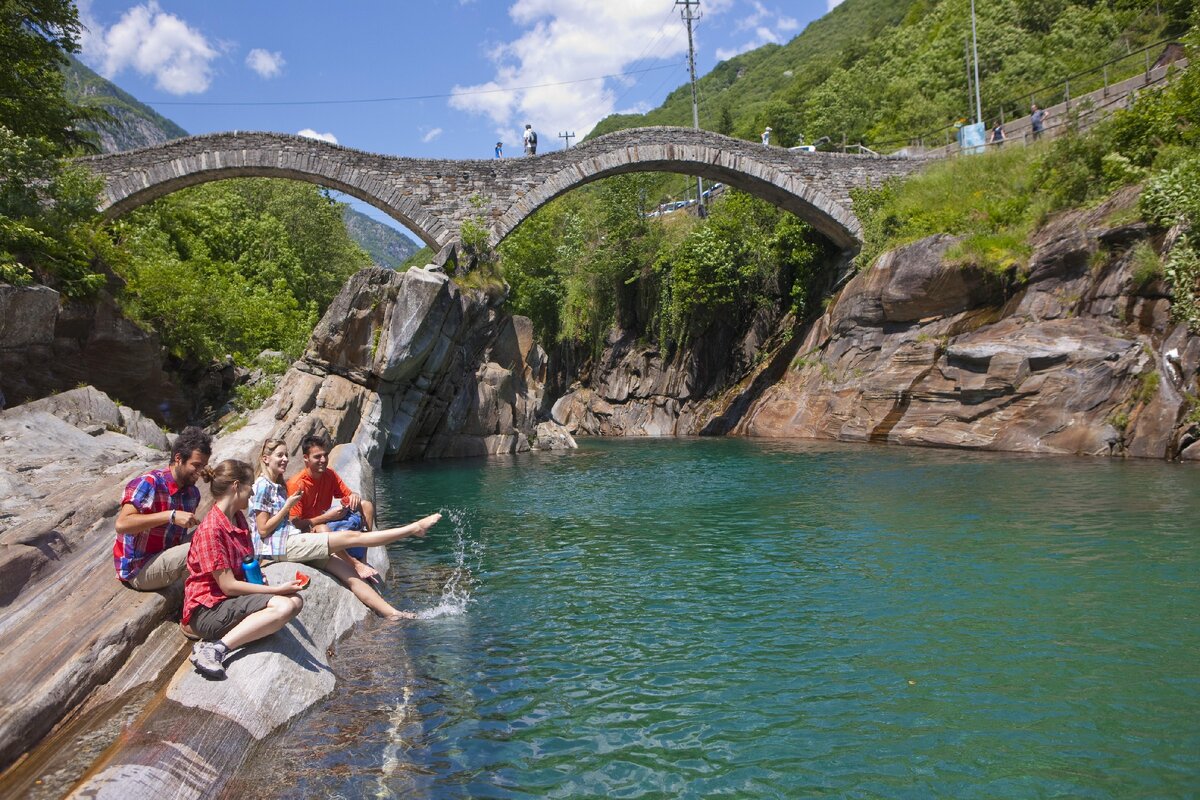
(385, 245)
(134, 124)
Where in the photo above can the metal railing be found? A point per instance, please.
(1062, 93)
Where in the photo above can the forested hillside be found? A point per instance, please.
(883, 72)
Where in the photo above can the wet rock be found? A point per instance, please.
(552, 436)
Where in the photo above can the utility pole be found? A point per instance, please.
(688, 16)
(568, 137)
(975, 47)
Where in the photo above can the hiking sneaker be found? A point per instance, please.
(208, 657)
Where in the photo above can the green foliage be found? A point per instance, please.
(1147, 387)
(891, 72)
(418, 259)
(594, 259)
(35, 38)
(996, 199)
(236, 267)
(250, 396)
(1147, 266)
(49, 229)
(1172, 198)
(990, 198)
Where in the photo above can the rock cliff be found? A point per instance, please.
(401, 366)
(1077, 355)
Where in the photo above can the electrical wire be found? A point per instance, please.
(405, 98)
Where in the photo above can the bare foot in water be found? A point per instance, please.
(399, 615)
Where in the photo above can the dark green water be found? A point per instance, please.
(704, 618)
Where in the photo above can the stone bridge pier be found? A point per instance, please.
(433, 197)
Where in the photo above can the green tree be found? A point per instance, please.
(236, 267)
(35, 36)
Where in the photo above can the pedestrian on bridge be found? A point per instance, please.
(530, 140)
(766, 137)
(499, 149)
(1037, 120)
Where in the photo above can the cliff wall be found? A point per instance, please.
(1075, 355)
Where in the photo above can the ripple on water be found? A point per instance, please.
(693, 618)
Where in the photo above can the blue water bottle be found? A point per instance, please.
(252, 570)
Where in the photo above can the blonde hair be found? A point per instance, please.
(268, 446)
(224, 475)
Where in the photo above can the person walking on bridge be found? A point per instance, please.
(1037, 120)
(530, 140)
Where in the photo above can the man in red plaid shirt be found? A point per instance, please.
(157, 510)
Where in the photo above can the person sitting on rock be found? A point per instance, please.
(219, 604)
(150, 551)
(278, 539)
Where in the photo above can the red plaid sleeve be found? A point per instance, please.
(142, 494)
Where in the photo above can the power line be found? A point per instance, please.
(402, 99)
(661, 29)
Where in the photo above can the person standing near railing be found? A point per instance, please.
(1037, 120)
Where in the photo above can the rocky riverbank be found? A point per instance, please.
(401, 366)
(1076, 355)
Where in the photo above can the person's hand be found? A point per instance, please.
(344, 512)
(291, 587)
(355, 502)
(186, 519)
(291, 501)
(366, 571)
(302, 525)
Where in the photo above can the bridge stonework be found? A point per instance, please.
(433, 197)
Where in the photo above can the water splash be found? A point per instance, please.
(456, 592)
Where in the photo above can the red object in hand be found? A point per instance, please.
(304, 579)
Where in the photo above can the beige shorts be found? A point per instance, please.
(307, 548)
(161, 570)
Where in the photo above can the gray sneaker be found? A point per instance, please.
(207, 658)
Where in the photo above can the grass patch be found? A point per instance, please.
(1147, 266)
(989, 198)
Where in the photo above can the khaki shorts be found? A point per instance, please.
(213, 623)
(307, 548)
(161, 570)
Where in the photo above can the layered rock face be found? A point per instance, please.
(1078, 358)
(1075, 357)
(637, 389)
(408, 366)
(51, 345)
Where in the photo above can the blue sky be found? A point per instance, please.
(448, 77)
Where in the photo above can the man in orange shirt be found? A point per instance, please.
(315, 513)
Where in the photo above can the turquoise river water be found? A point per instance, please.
(723, 617)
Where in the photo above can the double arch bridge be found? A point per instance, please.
(433, 197)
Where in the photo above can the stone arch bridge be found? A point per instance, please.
(433, 197)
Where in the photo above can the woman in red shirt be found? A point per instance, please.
(218, 602)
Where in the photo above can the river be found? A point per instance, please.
(703, 617)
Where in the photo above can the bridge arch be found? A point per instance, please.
(788, 180)
(136, 177)
(434, 197)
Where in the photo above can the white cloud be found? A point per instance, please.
(834, 4)
(431, 135)
(566, 42)
(153, 43)
(265, 63)
(769, 27)
(309, 133)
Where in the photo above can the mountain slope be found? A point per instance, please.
(386, 246)
(131, 123)
(884, 72)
